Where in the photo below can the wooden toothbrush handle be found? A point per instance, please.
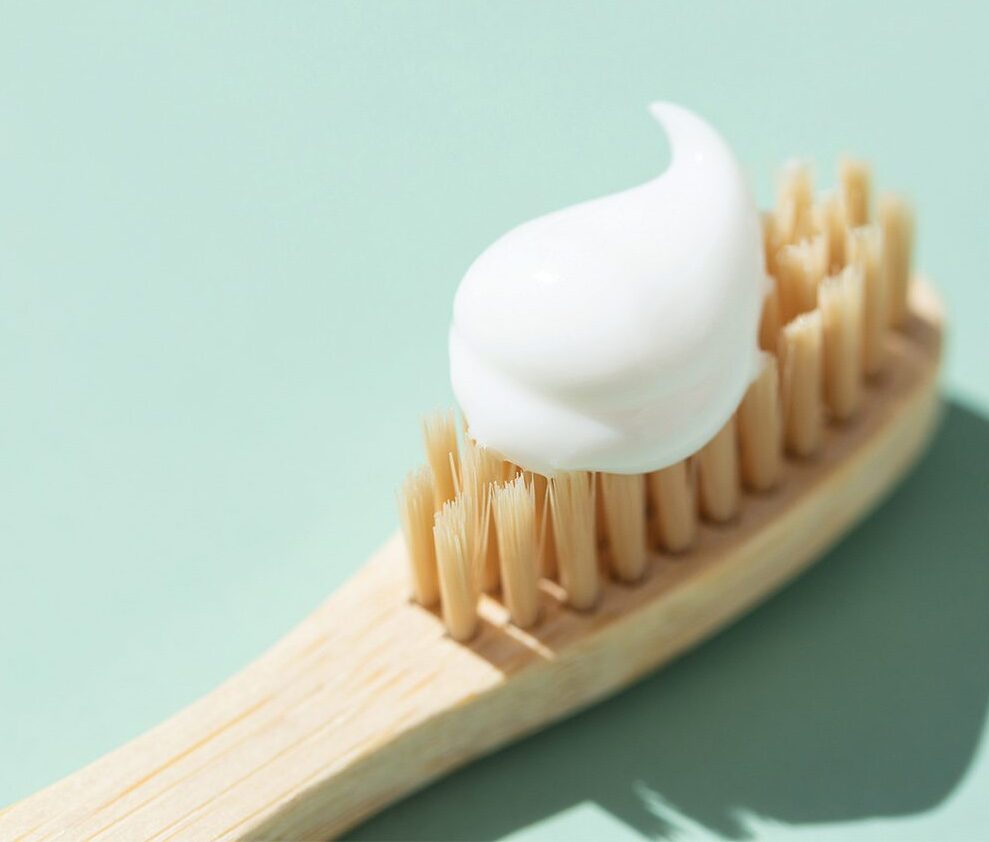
(307, 724)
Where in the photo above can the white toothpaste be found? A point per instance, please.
(618, 334)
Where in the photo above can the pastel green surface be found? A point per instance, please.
(229, 237)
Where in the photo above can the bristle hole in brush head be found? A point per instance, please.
(457, 568)
(415, 506)
(514, 509)
(624, 503)
(572, 506)
(439, 432)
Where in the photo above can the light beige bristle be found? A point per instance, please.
(457, 568)
(801, 381)
(864, 251)
(514, 507)
(855, 190)
(896, 221)
(829, 221)
(760, 429)
(480, 468)
(794, 202)
(673, 492)
(544, 527)
(769, 322)
(841, 322)
(624, 499)
(772, 240)
(439, 433)
(571, 497)
(415, 508)
(717, 475)
(801, 267)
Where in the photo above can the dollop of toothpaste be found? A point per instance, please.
(619, 334)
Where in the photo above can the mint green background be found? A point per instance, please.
(229, 237)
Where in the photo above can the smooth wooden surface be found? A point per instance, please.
(368, 700)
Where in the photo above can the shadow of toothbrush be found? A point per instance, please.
(860, 691)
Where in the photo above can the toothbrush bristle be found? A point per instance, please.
(794, 203)
(864, 251)
(802, 266)
(854, 178)
(769, 321)
(457, 568)
(474, 522)
(841, 319)
(439, 433)
(514, 506)
(896, 223)
(760, 429)
(829, 221)
(544, 527)
(674, 496)
(480, 470)
(717, 475)
(801, 384)
(624, 501)
(572, 508)
(415, 505)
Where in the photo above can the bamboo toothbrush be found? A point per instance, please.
(531, 598)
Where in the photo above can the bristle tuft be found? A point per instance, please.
(544, 526)
(829, 222)
(439, 432)
(673, 492)
(457, 568)
(841, 320)
(572, 506)
(514, 507)
(624, 500)
(717, 475)
(794, 202)
(801, 381)
(760, 432)
(865, 251)
(896, 221)
(801, 268)
(480, 469)
(769, 321)
(855, 179)
(415, 508)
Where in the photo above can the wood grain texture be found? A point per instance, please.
(368, 699)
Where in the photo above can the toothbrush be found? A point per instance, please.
(602, 578)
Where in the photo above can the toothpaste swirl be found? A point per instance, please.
(619, 334)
